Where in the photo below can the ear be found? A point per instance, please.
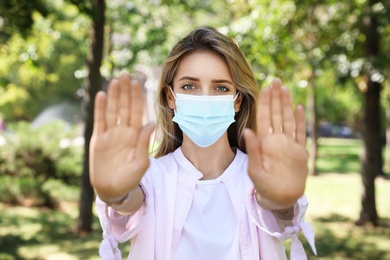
(237, 103)
(170, 98)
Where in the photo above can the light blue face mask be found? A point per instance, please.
(204, 119)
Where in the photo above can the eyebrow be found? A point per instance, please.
(214, 80)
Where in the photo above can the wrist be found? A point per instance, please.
(114, 200)
(121, 206)
(130, 202)
(284, 214)
(268, 204)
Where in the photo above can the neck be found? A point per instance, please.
(211, 161)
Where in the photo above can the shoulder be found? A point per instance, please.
(241, 160)
(162, 163)
(168, 164)
(240, 154)
(239, 168)
(160, 171)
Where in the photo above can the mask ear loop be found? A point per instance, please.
(174, 110)
(174, 96)
(234, 99)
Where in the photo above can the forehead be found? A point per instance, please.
(203, 65)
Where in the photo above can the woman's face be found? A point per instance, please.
(203, 73)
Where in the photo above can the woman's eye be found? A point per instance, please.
(222, 88)
(188, 87)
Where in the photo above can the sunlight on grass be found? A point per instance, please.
(334, 205)
(383, 199)
(333, 194)
(338, 155)
(38, 251)
(32, 233)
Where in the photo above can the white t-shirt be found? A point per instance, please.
(210, 231)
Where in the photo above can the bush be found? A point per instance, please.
(33, 162)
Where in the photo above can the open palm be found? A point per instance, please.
(277, 154)
(119, 144)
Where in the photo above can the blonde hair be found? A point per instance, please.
(207, 39)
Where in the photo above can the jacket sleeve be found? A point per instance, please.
(266, 221)
(117, 228)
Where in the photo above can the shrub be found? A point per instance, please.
(32, 161)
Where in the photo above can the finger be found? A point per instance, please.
(112, 103)
(276, 106)
(99, 122)
(288, 113)
(124, 99)
(137, 104)
(263, 113)
(300, 131)
(253, 150)
(142, 152)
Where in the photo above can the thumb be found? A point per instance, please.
(253, 150)
(142, 153)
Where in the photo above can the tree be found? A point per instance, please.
(96, 10)
(152, 26)
(366, 62)
(307, 37)
(145, 24)
(292, 40)
(371, 162)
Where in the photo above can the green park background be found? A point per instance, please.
(334, 56)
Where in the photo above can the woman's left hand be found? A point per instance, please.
(277, 153)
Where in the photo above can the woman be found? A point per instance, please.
(201, 197)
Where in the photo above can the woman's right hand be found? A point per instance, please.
(119, 144)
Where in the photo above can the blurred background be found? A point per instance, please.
(55, 55)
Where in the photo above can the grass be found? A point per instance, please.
(31, 233)
(334, 207)
(334, 197)
(338, 155)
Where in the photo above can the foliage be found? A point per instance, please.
(17, 16)
(34, 165)
(311, 43)
(289, 39)
(46, 63)
(50, 61)
(141, 33)
(306, 43)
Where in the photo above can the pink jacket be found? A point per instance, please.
(169, 184)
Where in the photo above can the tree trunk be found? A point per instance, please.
(371, 163)
(92, 86)
(371, 160)
(312, 123)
